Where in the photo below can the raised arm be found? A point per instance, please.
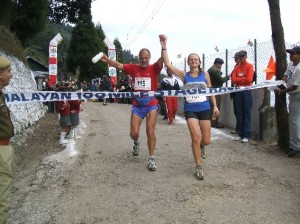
(165, 57)
(112, 63)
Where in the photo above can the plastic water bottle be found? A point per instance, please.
(97, 57)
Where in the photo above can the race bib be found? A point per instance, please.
(195, 85)
(142, 83)
(195, 99)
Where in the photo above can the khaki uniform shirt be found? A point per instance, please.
(6, 126)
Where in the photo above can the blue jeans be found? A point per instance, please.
(244, 113)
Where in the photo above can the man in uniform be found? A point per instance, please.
(6, 150)
(217, 81)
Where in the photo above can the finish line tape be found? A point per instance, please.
(44, 96)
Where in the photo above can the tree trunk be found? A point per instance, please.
(281, 64)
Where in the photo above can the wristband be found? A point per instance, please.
(163, 49)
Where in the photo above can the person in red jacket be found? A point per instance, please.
(75, 109)
(242, 76)
(171, 102)
(63, 108)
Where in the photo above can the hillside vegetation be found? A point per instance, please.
(10, 45)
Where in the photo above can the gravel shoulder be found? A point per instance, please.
(96, 179)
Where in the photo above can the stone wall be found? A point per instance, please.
(26, 114)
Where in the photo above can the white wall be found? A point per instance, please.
(23, 115)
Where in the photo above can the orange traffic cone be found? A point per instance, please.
(271, 69)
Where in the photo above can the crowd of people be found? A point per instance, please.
(198, 110)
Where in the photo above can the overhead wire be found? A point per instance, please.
(137, 18)
(146, 22)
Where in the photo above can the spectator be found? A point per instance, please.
(63, 108)
(47, 87)
(242, 76)
(75, 109)
(105, 86)
(6, 149)
(232, 96)
(170, 102)
(217, 81)
(292, 79)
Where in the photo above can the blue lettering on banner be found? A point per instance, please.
(44, 95)
(193, 91)
(144, 94)
(159, 93)
(87, 95)
(213, 90)
(181, 92)
(24, 98)
(223, 89)
(15, 97)
(54, 96)
(66, 96)
(129, 95)
(79, 96)
(100, 95)
(6, 97)
(35, 97)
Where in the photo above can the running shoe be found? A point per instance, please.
(136, 148)
(151, 164)
(199, 173)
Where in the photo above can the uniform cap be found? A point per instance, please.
(219, 61)
(4, 62)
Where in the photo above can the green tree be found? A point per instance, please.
(129, 57)
(84, 45)
(7, 8)
(69, 11)
(28, 18)
(281, 64)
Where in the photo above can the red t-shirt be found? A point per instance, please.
(144, 79)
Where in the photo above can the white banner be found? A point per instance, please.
(42, 96)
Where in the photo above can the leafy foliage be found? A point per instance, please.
(128, 57)
(28, 18)
(69, 11)
(84, 45)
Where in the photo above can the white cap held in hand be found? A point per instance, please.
(97, 57)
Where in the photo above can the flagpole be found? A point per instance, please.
(203, 61)
(255, 58)
(226, 65)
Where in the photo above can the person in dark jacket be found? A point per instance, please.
(105, 86)
(217, 81)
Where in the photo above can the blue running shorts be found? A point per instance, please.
(143, 111)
